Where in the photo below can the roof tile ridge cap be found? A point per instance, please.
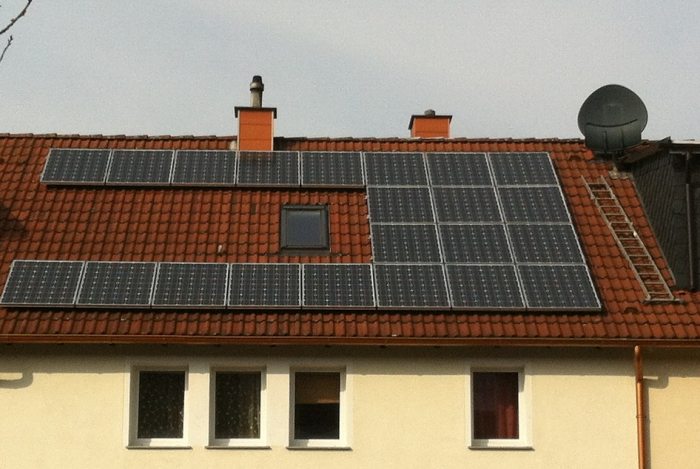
(120, 136)
(451, 139)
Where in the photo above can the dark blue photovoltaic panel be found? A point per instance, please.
(268, 285)
(458, 169)
(395, 169)
(558, 287)
(533, 204)
(544, 243)
(410, 286)
(117, 284)
(331, 169)
(344, 285)
(140, 167)
(74, 166)
(466, 204)
(268, 168)
(484, 286)
(480, 244)
(42, 283)
(405, 205)
(200, 285)
(204, 167)
(405, 243)
(522, 169)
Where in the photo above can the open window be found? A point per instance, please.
(158, 408)
(318, 409)
(498, 410)
(304, 227)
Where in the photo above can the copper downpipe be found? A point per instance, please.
(641, 417)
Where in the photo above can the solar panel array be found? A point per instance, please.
(459, 230)
(203, 168)
(495, 223)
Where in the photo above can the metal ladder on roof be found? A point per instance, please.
(645, 269)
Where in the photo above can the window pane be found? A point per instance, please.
(305, 228)
(237, 404)
(161, 404)
(495, 404)
(316, 406)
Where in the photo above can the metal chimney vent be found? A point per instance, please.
(256, 91)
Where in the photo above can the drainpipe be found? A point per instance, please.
(641, 418)
(690, 212)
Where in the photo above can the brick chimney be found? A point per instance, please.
(256, 123)
(430, 125)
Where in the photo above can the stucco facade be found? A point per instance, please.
(69, 407)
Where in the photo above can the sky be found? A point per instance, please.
(355, 68)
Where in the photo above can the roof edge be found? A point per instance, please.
(344, 341)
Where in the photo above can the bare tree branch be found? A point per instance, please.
(7, 46)
(14, 20)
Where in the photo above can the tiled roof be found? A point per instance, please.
(242, 225)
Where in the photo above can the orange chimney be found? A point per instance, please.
(256, 123)
(429, 125)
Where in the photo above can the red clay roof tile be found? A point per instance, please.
(242, 225)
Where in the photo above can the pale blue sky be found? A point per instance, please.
(335, 68)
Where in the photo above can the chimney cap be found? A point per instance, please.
(429, 114)
(257, 83)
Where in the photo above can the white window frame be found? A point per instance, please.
(524, 440)
(133, 395)
(241, 443)
(342, 442)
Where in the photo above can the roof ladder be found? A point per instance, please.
(645, 269)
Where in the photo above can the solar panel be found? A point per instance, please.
(405, 243)
(458, 169)
(466, 204)
(341, 285)
(519, 169)
(558, 287)
(325, 169)
(140, 167)
(544, 243)
(395, 169)
(480, 244)
(533, 204)
(117, 284)
(72, 166)
(393, 204)
(268, 168)
(201, 285)
(42, 283)
(268, 285)
(204, 167)
(410, 286)
(484, 286)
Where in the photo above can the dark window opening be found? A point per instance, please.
(495, 405)
(161, 404)
(317, 406)
(237, 404)
(305, 227)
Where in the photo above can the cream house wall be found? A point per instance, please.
(67, 406)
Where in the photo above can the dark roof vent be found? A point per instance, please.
(612, 119)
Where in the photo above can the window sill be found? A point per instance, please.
(298, 447)
(263, 447)
(515, 446)
(158, 447)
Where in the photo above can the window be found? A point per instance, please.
(305, 227)
(498, 417)
(317, 413)
(236, 415)
(158, 407)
